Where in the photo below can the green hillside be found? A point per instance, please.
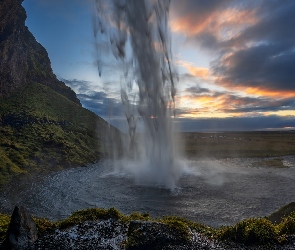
(41, 130)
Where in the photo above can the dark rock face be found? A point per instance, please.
(22, 231)
(23, 59)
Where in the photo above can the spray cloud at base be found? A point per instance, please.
(136, 33)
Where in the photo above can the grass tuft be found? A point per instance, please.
(44, 225)
(287, 226)
(90, 214)
(4, 223)
(250, 231)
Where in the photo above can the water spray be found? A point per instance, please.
(143, 27)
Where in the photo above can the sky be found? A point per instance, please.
(235, 61)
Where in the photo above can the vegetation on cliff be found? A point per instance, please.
(41, 130)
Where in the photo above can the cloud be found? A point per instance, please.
(208, 23)
(97, 101)
(200, 72)
(253, 42)
(213, 103)
(79, 86)
(265, 66)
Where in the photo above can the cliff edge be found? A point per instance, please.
(23, 59)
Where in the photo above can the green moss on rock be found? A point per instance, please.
(42, 130)
(4, 223)
(90, 214)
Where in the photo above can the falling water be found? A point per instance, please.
(137, 34)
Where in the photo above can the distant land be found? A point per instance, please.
(241, 144)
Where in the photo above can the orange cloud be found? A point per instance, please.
(202, 104)
(205, 106)
(258, 91)
(224, 24)
(200, 72)
(223, 104)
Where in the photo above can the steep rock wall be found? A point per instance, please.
(22, 58)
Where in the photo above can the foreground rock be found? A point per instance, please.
(22, 231)
(106, 234)
(108, 229)
(115, 235)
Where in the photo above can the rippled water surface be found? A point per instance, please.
(215, 192)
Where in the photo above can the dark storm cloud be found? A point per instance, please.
(196, 12)
(276, 24)
(247, 104)
(199, 8)
(270, 61)
(260, 54)
(261, 66)
(196, 90)
(96, 101)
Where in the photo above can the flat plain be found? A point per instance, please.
(239, 144)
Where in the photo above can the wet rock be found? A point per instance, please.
(154, 235)
(284, 211)
(106, 234)
(22, 230)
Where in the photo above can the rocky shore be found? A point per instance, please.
(117, 234)
(110, 234)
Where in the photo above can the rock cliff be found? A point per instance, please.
(23, 59)
(43, 126)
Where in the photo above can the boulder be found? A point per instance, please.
(22, 230)
(146, 235)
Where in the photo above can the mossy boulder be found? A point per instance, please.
(146, 235)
